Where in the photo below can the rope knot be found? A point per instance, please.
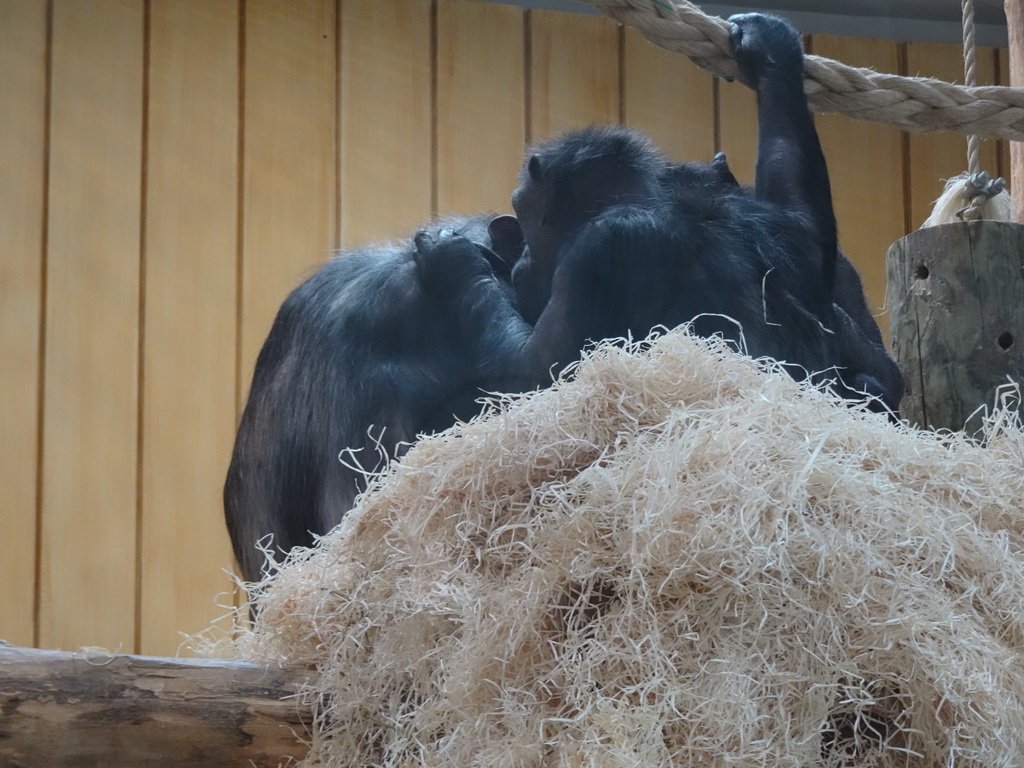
(979, 188)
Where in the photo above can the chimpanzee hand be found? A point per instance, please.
(449, 264)
(765, 46)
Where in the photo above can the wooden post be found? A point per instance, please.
(71, 710)
(956, 303)
(1015, 32)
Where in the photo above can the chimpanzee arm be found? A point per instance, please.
(848, 295)
(791, 169)
(864, 364)
(509, 353)
(496, 337)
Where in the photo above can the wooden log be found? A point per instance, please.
(73, 710)
(956, 306)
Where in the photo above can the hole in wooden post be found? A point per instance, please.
(921, 271)
(1005, 340)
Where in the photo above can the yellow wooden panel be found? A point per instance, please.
(481, 122)
(92, 336)
(935, 157)
(737, 128)
(866, 169)
(190, 311)
(574, 74)
(289, 209)
(1003, 75)
(669, 98)
(22, 156)
(385, 119)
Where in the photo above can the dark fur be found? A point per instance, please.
(382, 344)
(362, 357)
(620, 241)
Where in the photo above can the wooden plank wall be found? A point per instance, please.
(171, 168)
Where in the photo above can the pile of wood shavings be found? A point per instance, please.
(675, 558)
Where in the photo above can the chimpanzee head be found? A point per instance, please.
(568, 181)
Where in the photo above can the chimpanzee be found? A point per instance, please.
(863, 359)
(363, 356)
(382, 344)
(619, 241)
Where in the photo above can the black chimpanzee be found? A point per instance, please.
(619, 241)
(863, 358)
(383, 344)
(362, 357)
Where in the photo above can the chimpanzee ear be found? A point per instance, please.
(506, 238)
(533, 167)
(721, 167)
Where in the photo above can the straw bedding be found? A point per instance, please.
(675, 558)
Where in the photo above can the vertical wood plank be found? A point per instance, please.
(866, 169)
(88, 582)
(22, 156)
(1014, 10)
(481, 124)
(669, 98)
(190, 290)
(737, 128)
(289, 210)
(574, 74)
(1004, 147)
(935, 157)
(385, 119)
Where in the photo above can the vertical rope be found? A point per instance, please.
(970, 80)
(973, 209)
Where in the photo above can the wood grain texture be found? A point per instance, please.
(737, 128)
(935, 157)
(481, 125)
(190, 310)
(667, 97)
(956, 294)
(385, 119)
(22, 156)
(1015, 76)
(231, 198)
(1003, 74)
(80, 711)
(866, 169)
(574, 74)
(90, 430)
(289, 222)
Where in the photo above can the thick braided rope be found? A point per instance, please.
(911, 103)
